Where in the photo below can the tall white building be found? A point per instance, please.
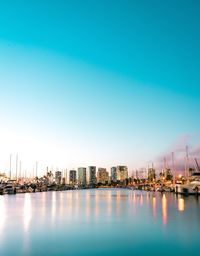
(102, 176)
(72, 177)
(58, 176)
(82, 176)
(122, 173)
(92, 176)
(114, 174)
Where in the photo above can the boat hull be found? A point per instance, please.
(187, 189)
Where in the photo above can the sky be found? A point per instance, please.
(98, 82)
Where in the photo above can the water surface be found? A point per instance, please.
(99, 222)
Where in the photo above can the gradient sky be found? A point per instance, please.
(98, 82)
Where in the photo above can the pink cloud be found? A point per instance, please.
(195, 151)
(180, 143)
(179, 149)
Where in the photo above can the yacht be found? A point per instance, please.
(9, 189)
(191, 187)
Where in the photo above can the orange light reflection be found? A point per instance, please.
(181, 204)
(87, 208)
(109, 203)
(96, 204)
(141, 200)
(164, 209)
(154, 206)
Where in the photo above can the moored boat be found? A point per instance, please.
(9, 189)
(191, 187)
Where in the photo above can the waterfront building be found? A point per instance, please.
(191, 171)
(92, 176)
(122, 173)
(49, 176)
(82, 176)
(72, 177)
(113, 174)
(58, 176)
(63, 181)
(3, 177)
(151, 174)
(65, 175)
(102, 176)
(166, 174)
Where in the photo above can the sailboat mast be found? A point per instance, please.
(173, 168)
(36, 168)
(165, 163)
(16, 165)
(10, 165)
(20, 168)
(187, 163)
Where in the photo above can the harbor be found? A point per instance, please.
(186, 182)
(179, 185)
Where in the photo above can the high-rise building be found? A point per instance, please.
(113, 174)
(82, 176)
(72, 177)
(122, 173)
(58, 176)
(63, 181)
(102, 176)
(166, 174)
(65, 175)
(92, 176)
(151, 174)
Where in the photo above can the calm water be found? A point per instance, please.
(99, 222)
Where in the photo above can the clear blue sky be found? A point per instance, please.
(98, 82)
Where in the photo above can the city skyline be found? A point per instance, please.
(77, 89)
(188, 165)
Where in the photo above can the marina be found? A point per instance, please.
(184, 185)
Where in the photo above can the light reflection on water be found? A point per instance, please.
(164, 209)
(154, 206)
(87, 207)
(27, 212)
(2, 214)
(109, 204)
(181, 206)
(96, 204)
(141, 200)
(27, 215)
(105, 221)
(53, 206)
